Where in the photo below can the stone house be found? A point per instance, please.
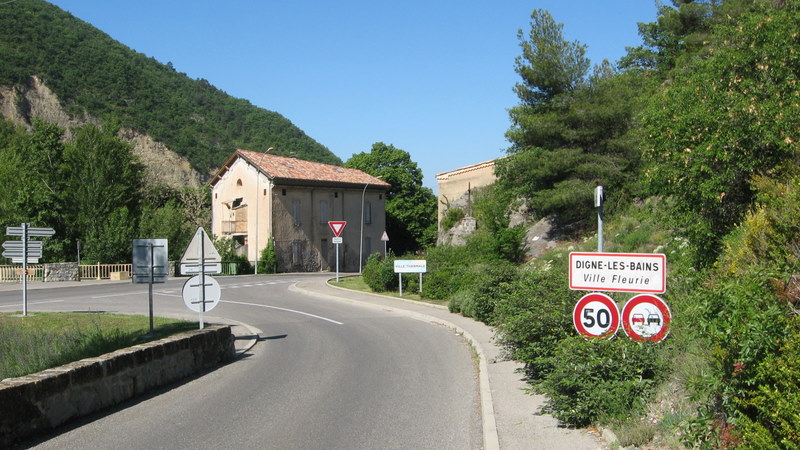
(455, 186)
(257, 198)
(455, 191)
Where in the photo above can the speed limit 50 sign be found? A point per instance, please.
(596, 315)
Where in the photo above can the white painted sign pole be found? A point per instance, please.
(201, 259)
(25, 269)
(337, 226)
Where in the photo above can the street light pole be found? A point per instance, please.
(361, 238)
(258, 200)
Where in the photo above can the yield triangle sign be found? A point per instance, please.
(337, 227)
(210, 253)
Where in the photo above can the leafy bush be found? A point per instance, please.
(488, 283)
(442, 282)
(268, 261)
(379, 274)
(746, 312)
(600, 380)
(451, 218)
(229, 252)
(769, 410)
(535, 315)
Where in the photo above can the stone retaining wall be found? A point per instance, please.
(45, 400)
(61, 272)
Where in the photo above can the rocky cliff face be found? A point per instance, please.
(21, 104)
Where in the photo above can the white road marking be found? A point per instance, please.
(284, 309)
(19, 305)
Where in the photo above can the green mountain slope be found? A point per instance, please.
(96, 75)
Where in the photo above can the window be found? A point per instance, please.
(323, 212)
(283, 191)
(236, 203)
(368, 213)
(297, 253)
(296, 212)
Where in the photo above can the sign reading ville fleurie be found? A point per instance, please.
(618, 272)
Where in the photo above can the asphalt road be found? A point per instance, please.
(325, 374)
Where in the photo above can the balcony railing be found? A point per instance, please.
(234, 226)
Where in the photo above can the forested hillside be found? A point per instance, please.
(96, 76)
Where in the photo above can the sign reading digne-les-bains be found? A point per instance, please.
(618, 272)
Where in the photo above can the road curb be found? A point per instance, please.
(249, 340)
(491, 439)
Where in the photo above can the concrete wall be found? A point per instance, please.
(453, 185)
(45, 400)
(254, 214)
(308, 246)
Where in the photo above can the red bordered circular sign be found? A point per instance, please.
(646, 318)
(596, 315)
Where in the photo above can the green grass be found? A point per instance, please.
(357, 283)
(43, 340)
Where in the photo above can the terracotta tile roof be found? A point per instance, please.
(286, 169)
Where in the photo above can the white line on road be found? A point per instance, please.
(30, 303)
(284, 309)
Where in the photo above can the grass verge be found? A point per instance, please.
(357, 283)
(43, 340)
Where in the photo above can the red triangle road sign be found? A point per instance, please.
(337, 227)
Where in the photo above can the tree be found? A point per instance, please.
(549, 65)
(570, 132)
(103, 188)
(410, 207)
(725, 119)
(675, 38)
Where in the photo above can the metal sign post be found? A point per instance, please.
(337, 226)
(25, 251)
(599, 197)
(150, 265)
(24, 269)
(200, 257)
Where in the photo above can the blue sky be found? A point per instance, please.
(432, 77)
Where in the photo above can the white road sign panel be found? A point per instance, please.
(596, 315)
(210, 253)
(18, 260)
(150, 258)
(410, 266)
(192, 291)
(337, 239)
(32, 232)
(209, 268)
(18, 245)
(618, 272)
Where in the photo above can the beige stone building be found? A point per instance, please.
(259, 198)
(455, 186)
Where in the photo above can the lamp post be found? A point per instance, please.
(361, 238)
(258, 200)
